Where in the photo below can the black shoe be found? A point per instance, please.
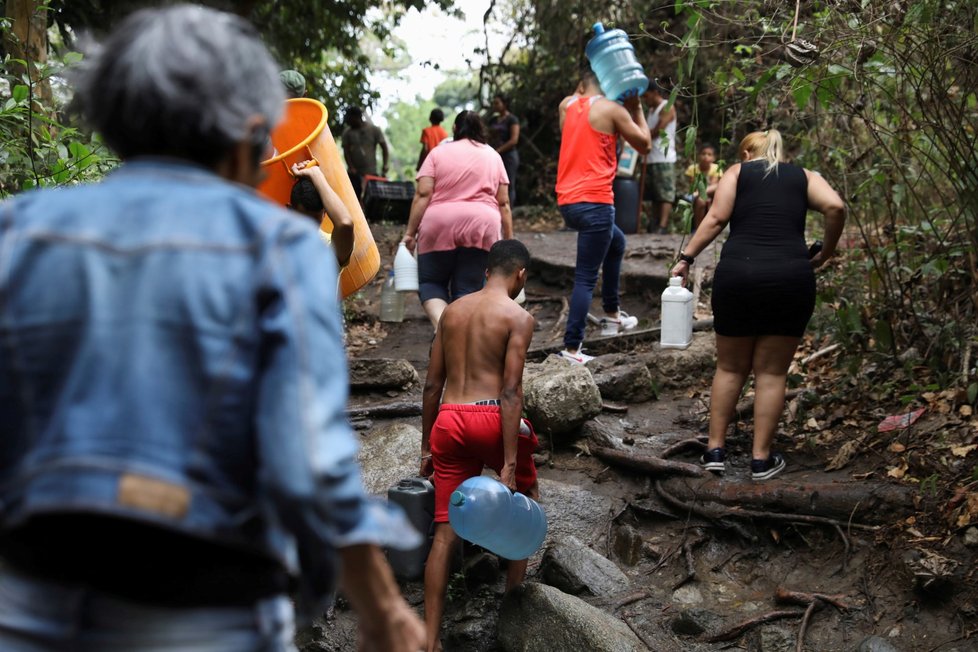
(767, 469)
(714, 460)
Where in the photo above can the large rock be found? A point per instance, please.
(389, 454)
(575, 511)
(539, 618)
(574, 568)
(622, 377)
(603, 432)
(558, 396)
(875, 644)
(679, 367)
(381, 373)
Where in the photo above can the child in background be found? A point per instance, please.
(708, 171)
(312, 196)
(431, 136)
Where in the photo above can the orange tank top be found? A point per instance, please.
(587, 164)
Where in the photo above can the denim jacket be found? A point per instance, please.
(171, 351)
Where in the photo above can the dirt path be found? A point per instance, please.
(689, 573)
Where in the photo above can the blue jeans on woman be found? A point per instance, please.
(43, 616)
(600, 247)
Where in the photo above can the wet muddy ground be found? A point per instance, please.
(734, 573)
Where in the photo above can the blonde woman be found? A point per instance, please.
(764, 287)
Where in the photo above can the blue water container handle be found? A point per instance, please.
(598, 28)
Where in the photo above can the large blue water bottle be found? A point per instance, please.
(485, 512)
(612, 58)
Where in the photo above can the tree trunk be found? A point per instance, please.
(28, 40)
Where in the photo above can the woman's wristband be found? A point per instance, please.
(689, 260)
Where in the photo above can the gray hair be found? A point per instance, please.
(182, 81)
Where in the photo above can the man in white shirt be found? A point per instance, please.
(662, 159)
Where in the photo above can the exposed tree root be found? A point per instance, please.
(814, 602)
(688, 547)
(741, 627)
(386, 410)
(784, 596)
(647, 463)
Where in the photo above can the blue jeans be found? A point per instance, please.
(43, 616)
(600, 246)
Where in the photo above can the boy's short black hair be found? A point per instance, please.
(436, 117)
(306, 200)
(508, 256)
(709, 146)
(588, 76)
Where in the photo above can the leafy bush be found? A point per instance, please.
(39, 149)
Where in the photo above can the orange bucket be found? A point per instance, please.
(301, 135)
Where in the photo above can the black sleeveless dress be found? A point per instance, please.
(764, 283)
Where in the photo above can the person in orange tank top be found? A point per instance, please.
(431, 136)
(590, 127)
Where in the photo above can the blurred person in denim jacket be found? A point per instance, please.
(175, 454)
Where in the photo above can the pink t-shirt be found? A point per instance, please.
(463, 211)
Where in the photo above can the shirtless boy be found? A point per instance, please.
(477, 361)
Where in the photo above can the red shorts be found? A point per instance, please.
(466, 438)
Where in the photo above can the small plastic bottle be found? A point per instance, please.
(613, 60)
(405, 270)
(391, 301)
(485, 512)
(677, 316)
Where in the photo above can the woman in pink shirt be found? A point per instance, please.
(460, 208)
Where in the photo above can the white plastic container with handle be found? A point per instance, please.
(405, 270)
(677, 316)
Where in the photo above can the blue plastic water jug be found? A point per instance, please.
(613, 60)
(485, 512)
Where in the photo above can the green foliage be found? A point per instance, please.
(332, 43)
(38, 149)
(405, 120)
(458, 92)
(887, 113)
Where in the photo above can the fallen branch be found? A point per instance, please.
(385, 410)
(647, 463)
(740, 628)
(818, 354)
(747, 405)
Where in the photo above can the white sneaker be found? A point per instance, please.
(578, 357)
(625, 322)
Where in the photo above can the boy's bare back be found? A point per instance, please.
(482, 336)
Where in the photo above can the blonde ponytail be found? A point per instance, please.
(766, 145)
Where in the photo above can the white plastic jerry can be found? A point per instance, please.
(677, 316)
